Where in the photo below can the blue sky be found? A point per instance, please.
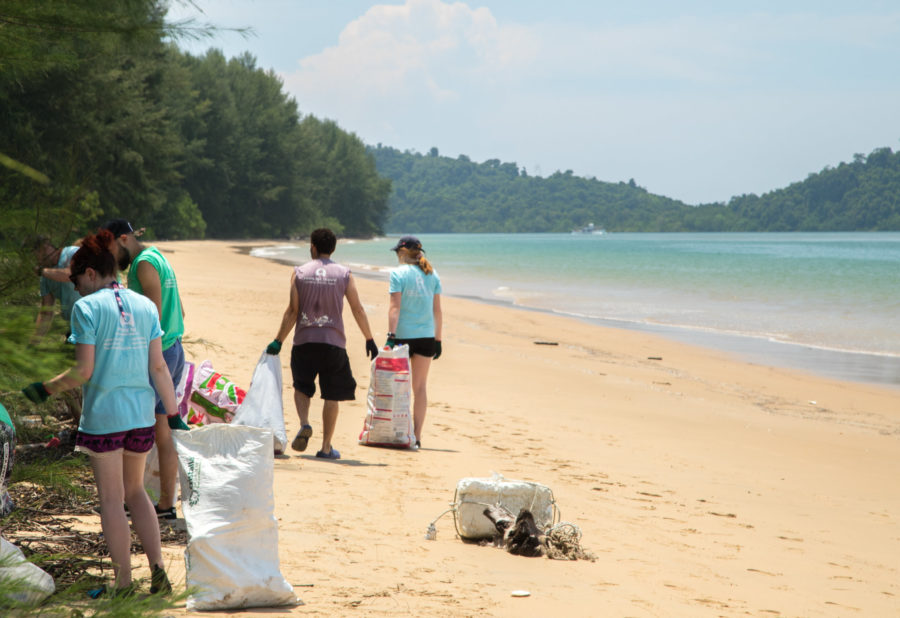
(696, 100)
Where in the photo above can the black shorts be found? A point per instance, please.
(332, 366)
(423, 346)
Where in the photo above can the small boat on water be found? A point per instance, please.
(589, 229)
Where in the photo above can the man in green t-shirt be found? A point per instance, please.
(150, 274)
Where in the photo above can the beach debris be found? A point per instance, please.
(520, 593)
(522, 537)
(654, 358)
(546, 343)
(431, 533)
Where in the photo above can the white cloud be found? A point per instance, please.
(689, 106)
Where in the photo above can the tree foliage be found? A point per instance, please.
(432, 193)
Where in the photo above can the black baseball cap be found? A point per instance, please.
(121, 226)
(407, 242)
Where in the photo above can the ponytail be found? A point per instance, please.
(417, 257)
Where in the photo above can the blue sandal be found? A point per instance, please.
(333, 454)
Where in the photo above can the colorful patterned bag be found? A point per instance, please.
(215, 397)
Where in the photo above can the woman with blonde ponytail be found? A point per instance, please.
(414, 319)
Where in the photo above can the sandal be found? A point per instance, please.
(302, 438)
(332, 454)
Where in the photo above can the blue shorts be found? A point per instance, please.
(174, 357)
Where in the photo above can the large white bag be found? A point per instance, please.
(389, 419)
(262, 405)
(473, 495)
(23, 582)
(226, 489)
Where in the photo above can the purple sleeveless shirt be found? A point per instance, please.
(321, 284)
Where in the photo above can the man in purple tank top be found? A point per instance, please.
(318, 290)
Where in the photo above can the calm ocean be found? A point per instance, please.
(828, 303)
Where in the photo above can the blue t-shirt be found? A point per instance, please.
(417, 303)
(65, 293)
(118, 397)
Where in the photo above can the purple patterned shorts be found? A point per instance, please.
(136, 440)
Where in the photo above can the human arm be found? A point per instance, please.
(288, 319)
(438, 325)
(394, 313)
(359, 314)
(162, 379)
(69, 379)
(57, 274)
(44, 318)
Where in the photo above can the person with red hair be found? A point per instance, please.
(117, 339)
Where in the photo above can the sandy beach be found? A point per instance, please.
(705, 486)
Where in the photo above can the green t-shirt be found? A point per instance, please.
(4, 416)
(171, 320)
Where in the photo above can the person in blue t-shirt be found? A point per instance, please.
(53, 267)
(414, 319)
(117, 342)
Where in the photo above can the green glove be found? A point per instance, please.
(273, 348)
(36, 392)
(176, 422)
(390, 343)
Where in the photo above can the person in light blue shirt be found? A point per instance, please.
(414, 319)
(55, 284)
(117, 340)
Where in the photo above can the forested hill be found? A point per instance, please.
(432, 193)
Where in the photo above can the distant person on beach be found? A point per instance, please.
(53, 268)
(317, 293)
(414, 319)
(150, 274)
(118, 343)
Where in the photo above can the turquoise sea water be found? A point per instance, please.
(826, 302)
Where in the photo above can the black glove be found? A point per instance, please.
(371, 349)
(437, 349)
(36, 392)
(273, 348)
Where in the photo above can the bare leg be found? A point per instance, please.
(329, 421)
(168, 463)
(108, 474)
(419, 366)
(302, 403)
(146, 524)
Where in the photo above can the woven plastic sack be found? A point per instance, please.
(473, 495)
(262, 406)
(389, 419)
(228, 504)
(215, 397)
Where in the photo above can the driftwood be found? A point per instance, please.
(521, 536)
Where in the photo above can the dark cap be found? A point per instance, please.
(407, 242)
(121, 226)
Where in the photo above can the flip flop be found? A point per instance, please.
(302, 438)
(333, 454)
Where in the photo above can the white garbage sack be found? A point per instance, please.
(226, 488)
(473, 495)
(22, 581)
(262, 406)
(389, 419)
